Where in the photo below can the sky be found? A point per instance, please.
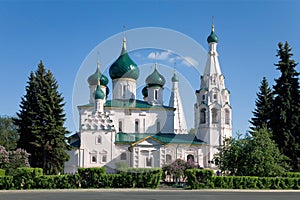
(66, 35)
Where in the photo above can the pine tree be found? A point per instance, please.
(264, 106)
(40, 122)
(285, 121)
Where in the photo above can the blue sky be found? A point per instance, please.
(63, 33)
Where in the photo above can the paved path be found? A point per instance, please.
(129, 194)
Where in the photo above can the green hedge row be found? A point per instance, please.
(203, 179)
(2, 172)
(33, 178)
(292, 174)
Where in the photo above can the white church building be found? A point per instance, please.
(145, 133)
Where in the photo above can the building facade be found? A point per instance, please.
(125, 131)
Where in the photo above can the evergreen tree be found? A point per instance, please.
(40, 122)
(285, 121)
(264, 106)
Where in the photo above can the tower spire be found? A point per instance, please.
(213, 25)
(124, 41)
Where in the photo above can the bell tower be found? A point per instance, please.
(212, 108)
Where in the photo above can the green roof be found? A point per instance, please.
(124, 67)
(131, 103)
(155, 79)
(175, 78)
(93, 79)
(164, 138)
(145, 91)
(212, 37)
(99, 94)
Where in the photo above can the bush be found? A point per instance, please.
(2, 172)
(292, 174)
(24, 177)
(198, 179)
(6, 182)
(92, 177)
(67, 181)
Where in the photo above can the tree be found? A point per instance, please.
(177, 168)
(11, 160)
(285, 121)
(264, 106)
(40, 122)
(252, 156)
(8, 133)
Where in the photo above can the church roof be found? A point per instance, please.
(155, 78)
(164, 138)
(131, 103)
(93, 79)
(124, 66)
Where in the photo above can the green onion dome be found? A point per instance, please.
(93, 79)
(124, 66)
(145, 91)
(99, 94)
(155, 79)
(212, 37)
(175, 77)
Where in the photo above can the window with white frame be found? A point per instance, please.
(157, 126)
(98, 139)
(155, 94)
(123, 156)
(227, 116)
(149, 162)
(214, 115)
(120, 126)
(168, 158)
(136, 125)
(93, 157)
(104, 158)
(203, 116)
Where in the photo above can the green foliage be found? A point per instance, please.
(264, 106)
(24, 177)
(68, 181)
(40, 122)
(292, 174)
(197, 181)
(2, 172)
(285, 121)
(8, 133)
(11, 160)
(91, 177)
(6, 182)
(177, 169)
(127, 178)
(252, 156)
(199, 178)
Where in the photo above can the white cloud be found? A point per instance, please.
(159, 56)
(189, 61)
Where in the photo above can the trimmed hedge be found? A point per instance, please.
(24, 178)
(292, 174)
(6, 182)
(2, 172)
(67, 181)
(197, 180)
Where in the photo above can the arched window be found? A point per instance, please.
(98, 140)
(157, 126)
(155, 94)
(136, 125)
(123, 156)
(203, 116)
(168, 158)
(214, 115)
(190, 157)
(227, 116)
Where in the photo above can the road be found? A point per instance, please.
(115, 194)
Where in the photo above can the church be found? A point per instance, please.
(145, 133)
